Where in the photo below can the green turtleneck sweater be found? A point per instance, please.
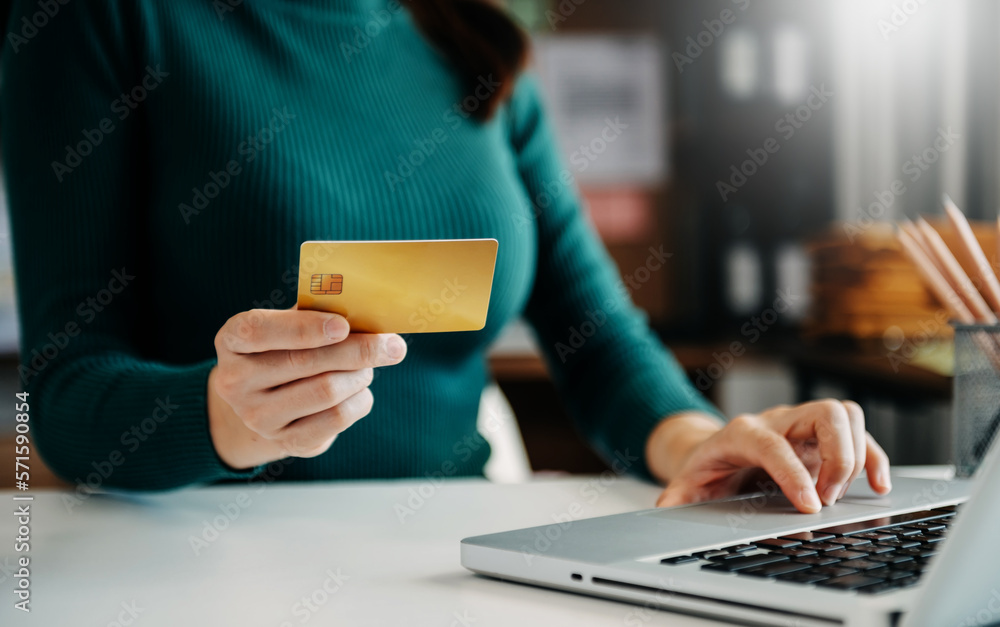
(163, 162)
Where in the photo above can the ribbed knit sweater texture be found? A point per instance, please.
(164, 161)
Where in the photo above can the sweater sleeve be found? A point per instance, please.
(102, 414)
(614, 375)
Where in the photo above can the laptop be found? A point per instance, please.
(925, 555)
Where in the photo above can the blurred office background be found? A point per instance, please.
(763, 148)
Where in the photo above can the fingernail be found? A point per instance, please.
(395, 347)
(810, 499)
(335, 328)
(831, 494)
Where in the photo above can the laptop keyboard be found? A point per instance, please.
(871, 557)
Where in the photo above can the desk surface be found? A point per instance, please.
(355, 554)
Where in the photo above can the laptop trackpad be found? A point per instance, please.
(756, 515)
(767, 511)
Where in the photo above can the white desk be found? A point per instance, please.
(285, 543)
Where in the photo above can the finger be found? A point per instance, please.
(358, 351)
(829, 423)
(856, 415)
(676, 493)
(313, 434)
(771, 451)
(877, 466)
(260, 330)
(280, 407)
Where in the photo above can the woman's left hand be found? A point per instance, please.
(812, 451)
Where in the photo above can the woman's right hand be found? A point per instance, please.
(289, 381)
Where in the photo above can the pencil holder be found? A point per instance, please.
(976, 395)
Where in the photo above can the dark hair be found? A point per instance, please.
(6, 7)
(482, 42)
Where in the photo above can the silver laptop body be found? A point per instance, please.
(620, 557)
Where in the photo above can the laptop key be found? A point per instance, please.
(777, 543)
(918, 551)
(809, 576)
(896, 520)
(834, 571)
(878, 588)
(680, 559)
(716, 566)
(740, 548)
(723, 557)
(808, 536)
(707, 555)
(861, 564)
(773, 570)
(796, 552)
(890, 574)
(849, 542)
(845, 554)
(822, 546)
(747, 561)
(900, 544)
(903, 531)
(817, 560)
(873, 549)
(876, 536)
(893, 558)
(849, 582)
(928, 526)
(913, 567)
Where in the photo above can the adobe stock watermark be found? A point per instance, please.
(127, 615)
(988, 615)
(750, 506)
(131, 439)
(38, 360)
(561, 12)
(231, 510)
(786, 126)
(902, 348)
(363, 35)
(579, 334)
(32, 24)
(122, 107)
(307, 606)
(462, 450)
(899, 17)
(581, 158)
(223, 8)
(427, 146)
(589, 493)
(641, 614)
(913, 170)
(247, 152)
(752, 331)
(435, 308)
(463, 618)
(714, 28)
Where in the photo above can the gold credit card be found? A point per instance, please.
(408, 286)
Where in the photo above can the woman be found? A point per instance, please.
(164, 160)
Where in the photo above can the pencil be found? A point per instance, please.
(954, 274)
(990, 287)
(935, 280)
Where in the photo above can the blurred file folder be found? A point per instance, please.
(606, 95)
